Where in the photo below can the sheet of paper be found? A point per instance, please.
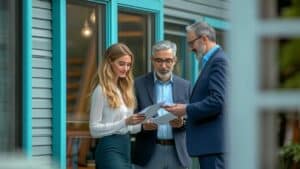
(164, 119)
(169, 104)
(151, 111)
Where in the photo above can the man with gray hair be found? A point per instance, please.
(205, 112)
(161, 146)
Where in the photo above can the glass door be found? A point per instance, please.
(85, 43)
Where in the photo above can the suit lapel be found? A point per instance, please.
(150, 87)
(199, 76)
(204, 69)
(175, 89)
(196, 84)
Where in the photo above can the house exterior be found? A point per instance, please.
(51, 49)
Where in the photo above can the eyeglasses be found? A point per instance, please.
(168, 61)
(191, 43)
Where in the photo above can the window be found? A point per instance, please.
(136, 30)
(264, 85)
(280, 137)
(220, 35)
(280, 72)
(279, 9)
(175, 32)
(10, 73)
(280, 64)
(85, 43)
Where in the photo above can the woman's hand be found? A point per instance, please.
(134, 119)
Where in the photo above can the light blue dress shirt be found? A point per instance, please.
(208, 55)
(163, 93)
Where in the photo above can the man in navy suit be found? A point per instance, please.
(205, 112)
(161, 146)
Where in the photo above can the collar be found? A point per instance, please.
(209, 54)
(159, 81)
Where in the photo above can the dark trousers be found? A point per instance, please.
(113, 152)
(214, 161)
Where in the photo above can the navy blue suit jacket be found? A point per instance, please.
(205, 124)
(145, 142)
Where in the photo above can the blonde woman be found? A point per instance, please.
(112, 105)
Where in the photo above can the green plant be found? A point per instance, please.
(289, 60)
(289, 156)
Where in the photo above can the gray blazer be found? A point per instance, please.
(145, 142)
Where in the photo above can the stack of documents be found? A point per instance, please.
(150, 112)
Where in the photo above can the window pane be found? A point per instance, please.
(10, 77)
(280, 68)
(280, 9)
(136, 31)
(85, 41)
(221, 38)
(179, 68)
(177, 34)
(280, 139)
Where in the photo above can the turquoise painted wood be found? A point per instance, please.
(144, 5)
(152, 6)
(112, 23)
(59, 82)
(244, 146)
(27, 76)
(159, 24)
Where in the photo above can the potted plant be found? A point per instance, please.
(290, 156)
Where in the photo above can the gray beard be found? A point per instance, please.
(199, 56)
(162, 76)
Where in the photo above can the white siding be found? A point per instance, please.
(196, 9)
(42, 81)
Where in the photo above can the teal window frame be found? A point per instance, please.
(154, 7)
(59, 63)
(183, 53)
(149, 6)
(59, 83)
(27, 78)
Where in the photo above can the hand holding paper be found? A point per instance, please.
(148, 125)
(164, 119)
(177, 123)
(177, 109)
(151, 111)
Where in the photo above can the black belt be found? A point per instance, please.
(165, 142)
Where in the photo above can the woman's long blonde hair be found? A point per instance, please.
(105, 77)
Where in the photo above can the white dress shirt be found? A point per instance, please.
(105, 120)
